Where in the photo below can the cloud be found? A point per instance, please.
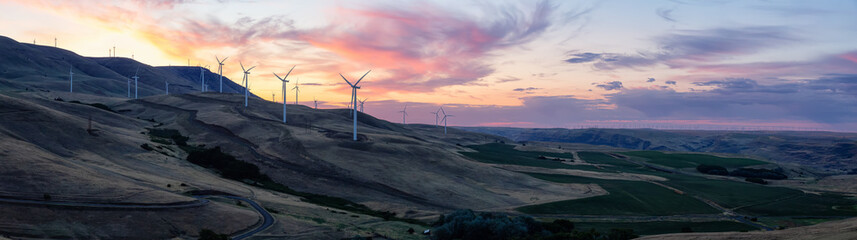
(670, 82)
(583, 57)
(690, 48)
(666, 14)
(421, 47)
(527, 90)
(507, 79)
(609, 86)
(650, 80)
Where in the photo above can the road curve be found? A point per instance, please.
(267, 218)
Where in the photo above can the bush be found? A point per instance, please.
(559, 226)
(756, 180)
(228, 166)
(466, 224)
(173, 134)
(712, 169)
(147, 147)
(207, 234)
(758, 173)
(621, 234)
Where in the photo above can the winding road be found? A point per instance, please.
(267, 218)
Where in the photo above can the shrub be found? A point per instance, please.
(228, 166)
(621, 234)
(712, 169)
(208, 234)
(756, 180)
(758, 173)
(559, 226)
(147, 147)
(466, 224)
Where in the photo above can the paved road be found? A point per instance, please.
(130, 206)
(267, 219)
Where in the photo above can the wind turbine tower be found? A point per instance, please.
(445, 116)
(436, 116)
(285, 89)
(246, 81)
(361, 104)
(135, 77)
(297, 90)
(315, 102)
(220, 70)
(70, 79)
(167, 87)
(354, 88)
(404, 114)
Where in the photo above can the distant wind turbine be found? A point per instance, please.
(361, 103)
(201, 79)
(354, 88)
(297, 90)
(70, 79)
(445, 116)
(135, 77)
(404, 114)
(167, 87)
(246, 81)
(284, 89)
(220, 70)
(436, 116)
(315, 102)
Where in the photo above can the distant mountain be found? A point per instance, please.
(36, 67)
(827, 151)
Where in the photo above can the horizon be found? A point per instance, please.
(665, 65)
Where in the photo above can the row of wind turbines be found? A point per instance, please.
(353, 104)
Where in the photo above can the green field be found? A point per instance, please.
(603, 158)
(662, 227)
(506, 154)
(806, 205)
(624, 198)
(684, 160)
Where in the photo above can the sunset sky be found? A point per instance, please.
(667, 64)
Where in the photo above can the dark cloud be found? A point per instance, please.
(666, 14)
(529, 89)
(694, 47)
(609, 86)
(670, 82)
(730, 83)
(583, 57)
(650, 80)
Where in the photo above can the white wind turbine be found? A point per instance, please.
(167, 87)
(361, 103)
(297, 90)
(444, 119)
(404, 114)
(436, 116)
(354, 88)
(284, 90)
(315, 102)
(201, 79)
(135, 77)
(70, 79)
(220, 70)
(246, 81)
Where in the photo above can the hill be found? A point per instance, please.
(825, 152)
(26, 66)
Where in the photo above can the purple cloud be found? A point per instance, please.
(610, 86)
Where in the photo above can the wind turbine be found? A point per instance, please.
(246, 81)
(285, 81)
(135, 77)
(361, 103)
(297, 90)
(167, 87)
(315, 102)
(354, 88)
(444, 119)
(201, 79)
(220, 70)
(436, 117)
(70, 79)
(404, 114)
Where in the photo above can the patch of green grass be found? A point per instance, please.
(684, 160)
(603, 158)
(662, 227)
(726, 193)
(806, 204)
(624, 198)
(499, 153)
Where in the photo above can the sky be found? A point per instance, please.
(680, 64)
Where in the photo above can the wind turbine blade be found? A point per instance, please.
(224, 59)
(444, 112)
(278, 76)
(346, 80)
(290, 71)
(135, 72)
(242, 66)
(218, 59)
(250, 69)
(361, 78)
